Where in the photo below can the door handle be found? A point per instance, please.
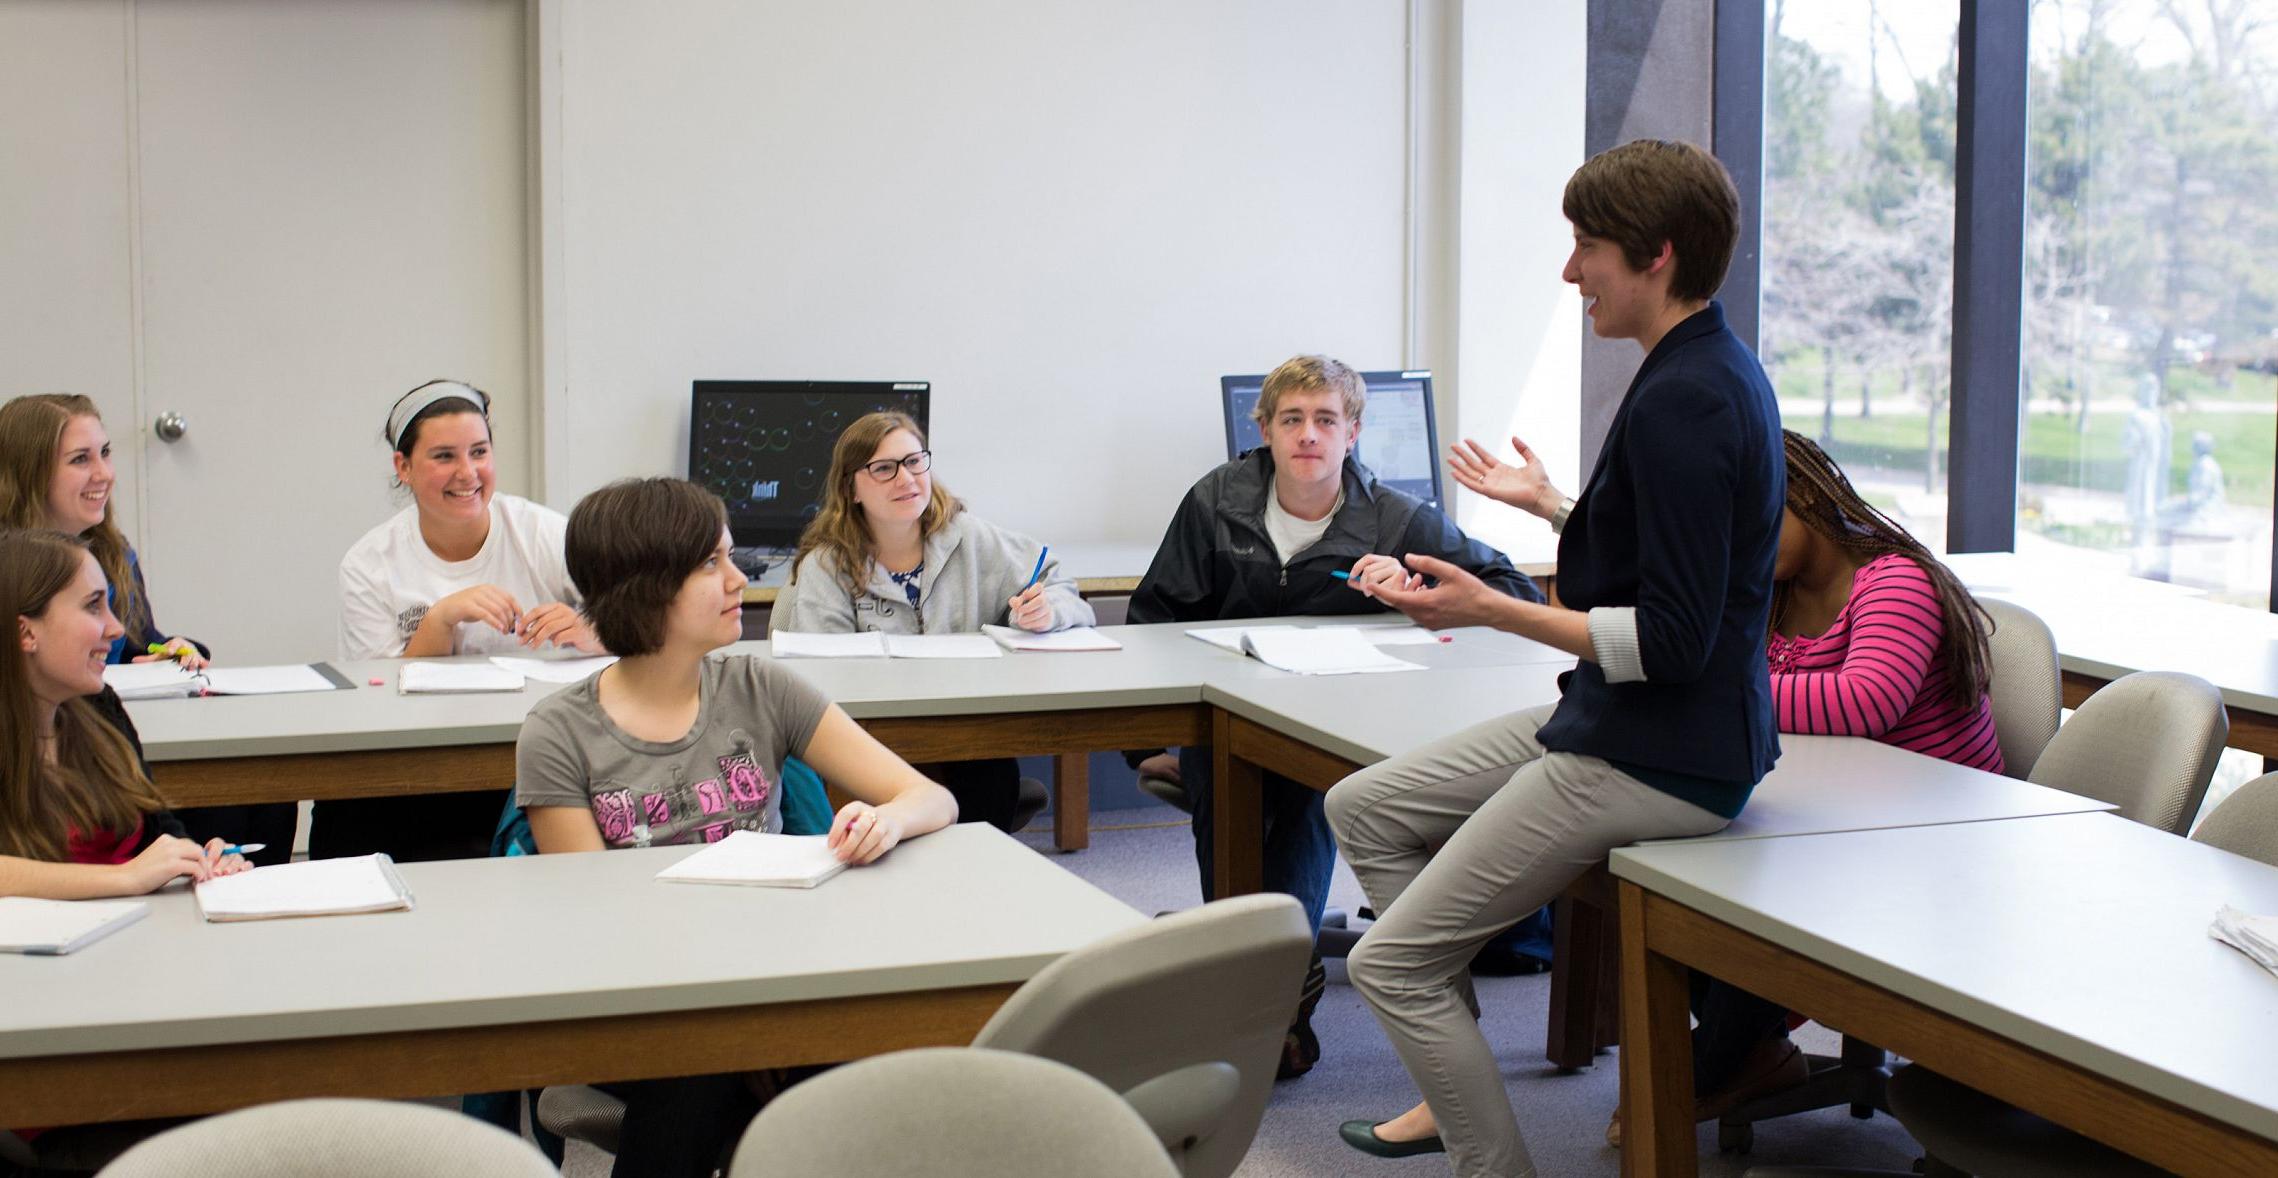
(170, 427)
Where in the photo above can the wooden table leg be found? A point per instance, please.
(1237, 810)
(1072, 801)
(1576, 928)
(1656, 1055)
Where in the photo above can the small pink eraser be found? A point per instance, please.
(376, 681)
(1447, 637)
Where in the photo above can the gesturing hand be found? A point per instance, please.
(1459, 599)
(1525, 486)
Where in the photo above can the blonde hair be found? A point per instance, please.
(839, 529)
(96, 782)
(31, 429)
(1305, 374)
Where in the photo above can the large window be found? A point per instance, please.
(1858, 269)
(2151, 291)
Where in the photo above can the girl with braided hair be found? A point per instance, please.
(1871, 636)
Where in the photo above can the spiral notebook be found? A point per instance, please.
(318, 887)
(50, 928)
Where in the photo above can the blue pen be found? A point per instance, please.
(1342, 576)
(247, 849)
(1039, 573)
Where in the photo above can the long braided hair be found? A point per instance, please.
(1825, 501)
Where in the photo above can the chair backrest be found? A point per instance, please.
(950, 1112)
(1215, 985)
(2145, 742)
(2247, 821)
(336, 1138)
(2026, 687)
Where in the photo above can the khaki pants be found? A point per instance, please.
(1453, 843)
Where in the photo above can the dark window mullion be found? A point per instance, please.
(1989, 279)
(1737, 139)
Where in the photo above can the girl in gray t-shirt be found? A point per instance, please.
(672, 744)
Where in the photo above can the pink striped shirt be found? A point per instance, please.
(1876, 673)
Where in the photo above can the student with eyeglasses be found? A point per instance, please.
(892, 550)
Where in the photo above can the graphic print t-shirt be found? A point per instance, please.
(725, 774)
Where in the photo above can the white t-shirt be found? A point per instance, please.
(1292, 535)
(390, 578)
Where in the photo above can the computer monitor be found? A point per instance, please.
(764, 446)
(1399, 439)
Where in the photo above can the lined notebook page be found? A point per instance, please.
(754, 859)
(446, 678)
(791, 644)
(318, 887)
(1073, 638)
(942, 646)
(1324, 650)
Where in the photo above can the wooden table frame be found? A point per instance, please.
(172, 1082)
(1069, 736)
(1662, 941)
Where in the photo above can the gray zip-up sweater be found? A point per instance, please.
(972, 569)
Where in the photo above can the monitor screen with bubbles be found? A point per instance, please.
(764, 446)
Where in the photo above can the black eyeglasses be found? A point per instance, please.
(884, 469)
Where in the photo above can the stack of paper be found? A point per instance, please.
(1073, 638)
(164, 679)
(871, 644)
(52, 927)
(318, 887)
(553, 670)
(280, 680)
(438, 678)
(2255, 936)
(759, 860)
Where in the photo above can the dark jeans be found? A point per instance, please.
(411, 830)
(1300, 851)
(271, 823)
(683, 1127)
(1732, 1022)
(986, 791)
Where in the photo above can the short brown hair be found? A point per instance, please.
(631, 545)
(1305, 374)
(1650, 191)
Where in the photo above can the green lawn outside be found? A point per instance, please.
(2057, 454)
(1797, 374)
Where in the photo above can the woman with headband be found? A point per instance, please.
(461, 570)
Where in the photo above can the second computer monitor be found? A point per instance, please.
(764, 446)
(1399, 440)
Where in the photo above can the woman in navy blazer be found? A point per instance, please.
(1664, 581)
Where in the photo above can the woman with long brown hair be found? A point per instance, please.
(78, 815)
(892, 550)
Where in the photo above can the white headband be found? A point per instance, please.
(415, 402)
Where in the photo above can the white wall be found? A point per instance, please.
(1072, 218)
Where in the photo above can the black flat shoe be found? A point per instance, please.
(1361, 1135)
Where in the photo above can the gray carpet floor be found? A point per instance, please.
(1146, 859)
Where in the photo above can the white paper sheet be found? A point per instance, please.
(279, 680)
(1399, 635)
(752, 859)
(943, 646)
(445, 678)
(553, 670)
(1073, 638)
(1229, 638)
(50, 927)
(791, 644)
(1322, 650)
(317, 887)
(164, 679)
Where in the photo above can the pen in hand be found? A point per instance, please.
(1038, 575)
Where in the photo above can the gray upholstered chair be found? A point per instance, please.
(2247, 821)
(950, 1112)
(2027, 687)
(1184, 1015)
(336, 1138)
(2145, 742)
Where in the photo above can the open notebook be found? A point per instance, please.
(318, 887)
(167, 680)
(759, 860)
(870, 644)
(1314, 650)
(48, 928)
(452, 678)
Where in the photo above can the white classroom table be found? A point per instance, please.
(2059, 963)
(514, 973)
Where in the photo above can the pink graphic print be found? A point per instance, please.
(747, 782)
(613, 813)
(717, 831)
(709, 797)
(657, 808)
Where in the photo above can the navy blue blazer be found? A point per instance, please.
(1681, 519)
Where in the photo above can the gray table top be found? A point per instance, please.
(2082, 936)
(502, 941)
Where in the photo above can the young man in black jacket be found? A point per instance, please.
(1260, 537)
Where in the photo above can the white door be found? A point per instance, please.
(329, 207)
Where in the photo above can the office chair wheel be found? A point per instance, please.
(1739, 1139)
(1862, 1111)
